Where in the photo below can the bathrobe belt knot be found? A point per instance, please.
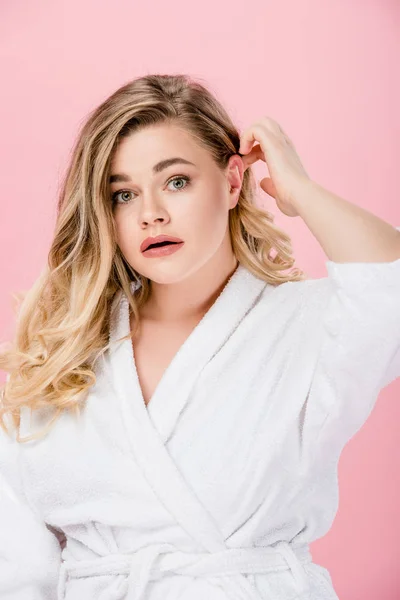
(229, 565)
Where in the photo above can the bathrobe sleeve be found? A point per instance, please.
(359, 353)
(30, 554)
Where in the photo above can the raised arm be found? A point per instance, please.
(346, 232)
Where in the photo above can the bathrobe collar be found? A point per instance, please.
(149, 427)
(174, 388)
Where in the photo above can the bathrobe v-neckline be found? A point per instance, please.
(208, 336)
(149, 427)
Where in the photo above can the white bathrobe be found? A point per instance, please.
(216, 488)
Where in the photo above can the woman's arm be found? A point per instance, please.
(346, 232)
(30, 554)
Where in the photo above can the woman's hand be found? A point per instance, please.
(284, 165)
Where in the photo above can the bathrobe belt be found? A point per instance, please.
(229, 565)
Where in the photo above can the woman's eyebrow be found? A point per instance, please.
(163, 164)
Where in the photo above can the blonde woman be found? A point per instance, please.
(174, 413)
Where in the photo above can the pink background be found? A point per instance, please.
(326, 71)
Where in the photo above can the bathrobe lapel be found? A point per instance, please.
(149, 427)
(209, 335)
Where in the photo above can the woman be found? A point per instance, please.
(178, 413)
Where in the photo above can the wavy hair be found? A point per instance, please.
(62, 321)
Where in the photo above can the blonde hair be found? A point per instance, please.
(63, 320)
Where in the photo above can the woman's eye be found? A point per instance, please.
(116, 194)
(179, 178)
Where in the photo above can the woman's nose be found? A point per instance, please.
(152, 211)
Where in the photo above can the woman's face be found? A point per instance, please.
(186, 201)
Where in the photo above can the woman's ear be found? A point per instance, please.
(234, 173)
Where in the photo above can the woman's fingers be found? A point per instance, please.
(253, 156)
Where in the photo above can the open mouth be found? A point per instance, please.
(159, 244)
(164, 248)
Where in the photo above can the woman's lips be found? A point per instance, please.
(162, 250)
